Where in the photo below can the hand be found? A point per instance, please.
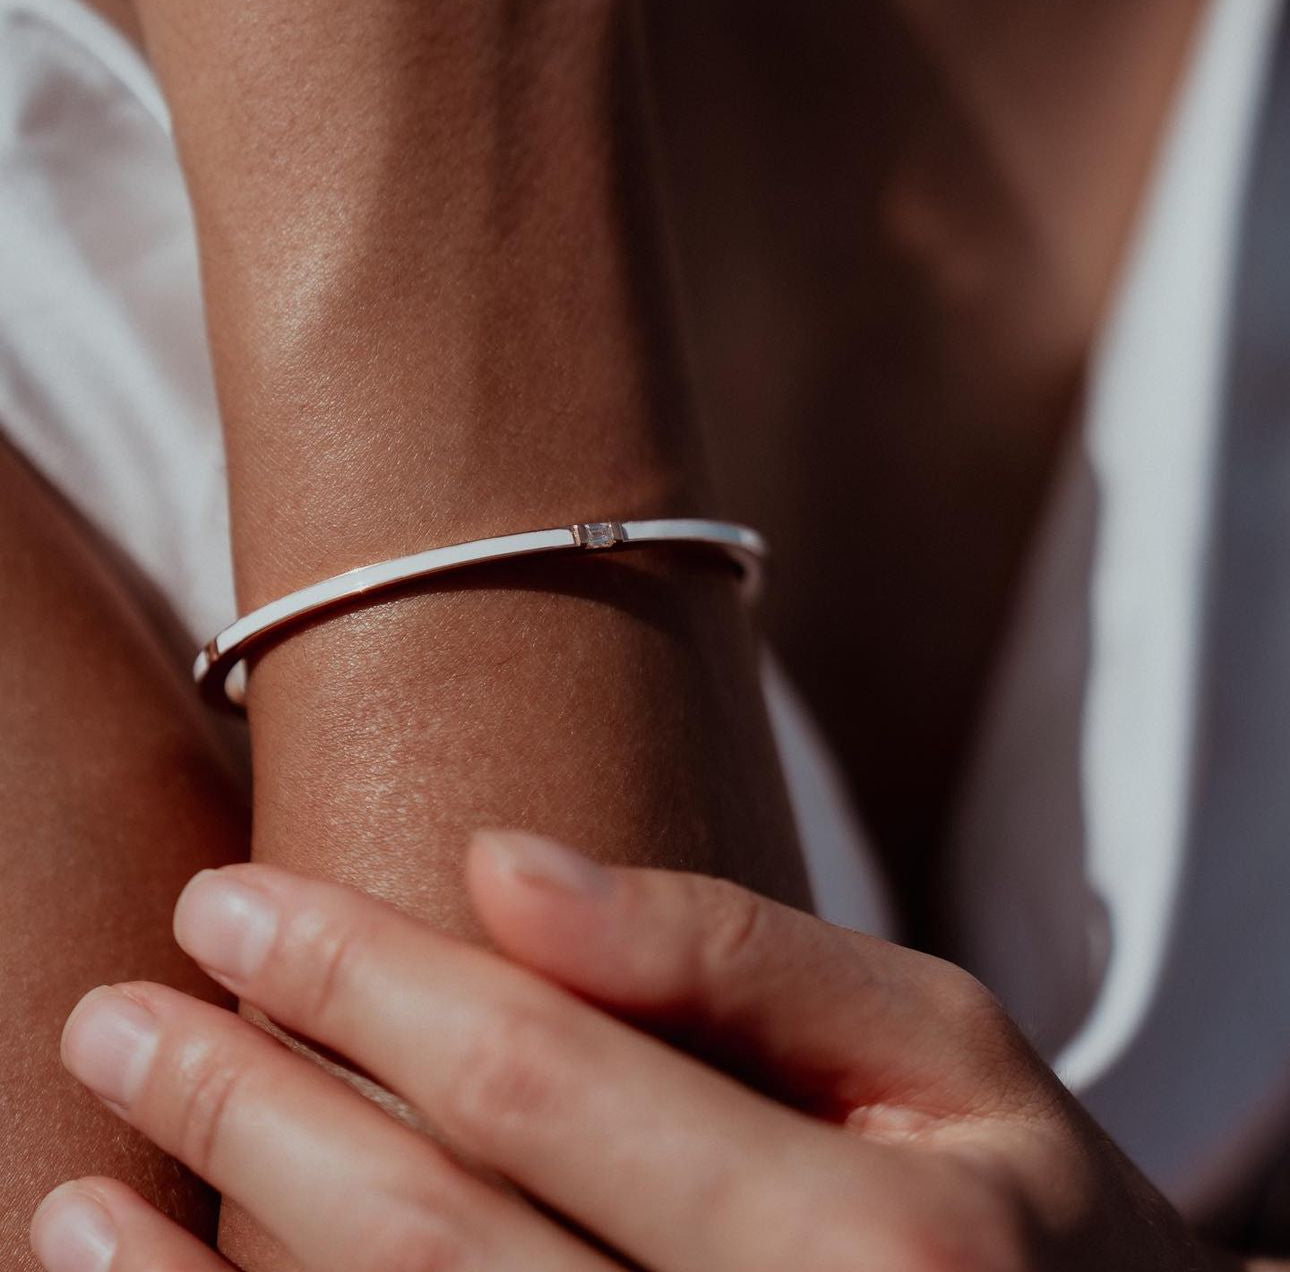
(824, 1101)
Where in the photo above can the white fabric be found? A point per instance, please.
(1162, 367)
(1070, 843)
(104, 378)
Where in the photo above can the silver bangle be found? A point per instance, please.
(227, 650)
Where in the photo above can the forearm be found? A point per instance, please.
(434, 292)
(437, 306)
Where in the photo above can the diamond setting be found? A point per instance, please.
(598, 534)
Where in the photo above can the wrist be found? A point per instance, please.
(616, 703)
(327, 515)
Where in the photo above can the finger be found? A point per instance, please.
(100, 1225)
(833, 1020)
(341, 1185)
(670, 1162)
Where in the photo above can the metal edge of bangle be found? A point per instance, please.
(219, 656)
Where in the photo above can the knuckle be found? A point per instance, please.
(718, 1196)
(958, 1248)
(509, 1077)
(981, 1224)
(999, 1043)
(994, 1064)
(326, 954)
(413, 1239)
(824, 1236)
(969, 1005)
(831, 1233)
(830, 1240)
(207, 1081)
(731, 919)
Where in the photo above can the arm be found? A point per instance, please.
(436, 304)
(435, 293)
(112, 793)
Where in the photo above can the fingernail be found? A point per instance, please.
(535, 859)
(225, 926)
(108, 1044)
(71, 1232)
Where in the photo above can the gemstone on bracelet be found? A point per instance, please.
(598, 534)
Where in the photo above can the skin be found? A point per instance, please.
(438, 304)
(885, 1111)
(425, 330)
(113, 789)
(929, 317)
(309, 755)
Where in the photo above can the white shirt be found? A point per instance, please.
(1072, 847)
(1071, 843)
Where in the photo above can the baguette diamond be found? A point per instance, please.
(598, 534)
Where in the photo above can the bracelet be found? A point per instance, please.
(745, 547)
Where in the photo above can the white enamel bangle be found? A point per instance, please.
(221, 655)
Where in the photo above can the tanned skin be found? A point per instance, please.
(438, 299)
(113, 792)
